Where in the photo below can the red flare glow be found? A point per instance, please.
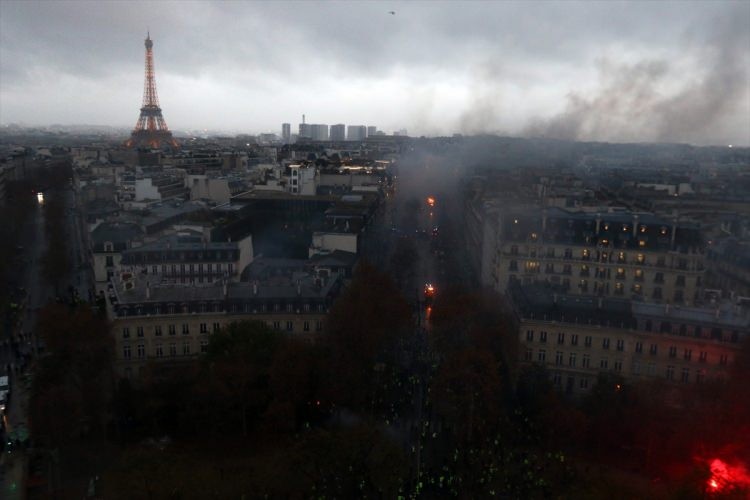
(726, 476)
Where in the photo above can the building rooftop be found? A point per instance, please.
(184, 240)
(540, 302)
(264, 268)
(724, 315)
(160, 215)
(115, 232)
(137, 291)
(260, 194)
(617, 229)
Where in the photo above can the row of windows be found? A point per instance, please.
(715, 333)
(215, 327)
(620, 273)
(205, 307)
(619, 288)
(276, 325)
(220, 255)
(541, 357)
(159, 350)
(173, 270)
(653, 349)
(171, 330)
(601, 256)
(583, 382)
(603, 225)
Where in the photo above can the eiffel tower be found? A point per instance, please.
(151, 130)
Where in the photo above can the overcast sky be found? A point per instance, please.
(633, 71)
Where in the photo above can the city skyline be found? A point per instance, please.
(623, 72)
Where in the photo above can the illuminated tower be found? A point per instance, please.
(151, 129)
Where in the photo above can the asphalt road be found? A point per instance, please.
(14, 464)
(23, 341)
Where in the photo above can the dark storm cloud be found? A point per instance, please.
(434, 67)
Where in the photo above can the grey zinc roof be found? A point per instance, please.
(540, 302)
(168, 210)
(179, 293)
(192, 241)
(169, 293)
(723, 316)
(335, 258)
(287, 289)
(115, 232)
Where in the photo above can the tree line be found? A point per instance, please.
(376, 408)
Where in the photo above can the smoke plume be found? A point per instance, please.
(651, 101)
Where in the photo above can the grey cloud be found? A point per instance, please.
(484, 46)
(486, 99)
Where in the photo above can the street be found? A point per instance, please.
(21, 344)
(17, 346)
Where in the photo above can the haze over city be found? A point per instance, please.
(414, 250)
(603, 71)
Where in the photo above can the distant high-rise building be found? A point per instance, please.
(267, 138)
(319, 132)
(305, 131)
(400, 132)
(338, 132)
(371, 130)
(286, 132)
(356, 133)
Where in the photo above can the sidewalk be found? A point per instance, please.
(14, 465)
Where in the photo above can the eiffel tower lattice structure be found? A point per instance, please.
(151, 130)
